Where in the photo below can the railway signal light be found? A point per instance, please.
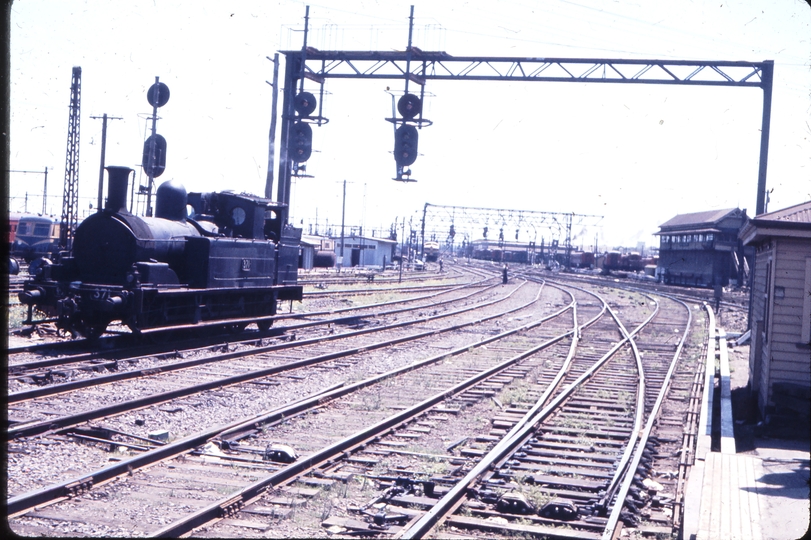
(301, 142)
(304, 103)
(405, 145)
(158, 95)
(409, 106)
(154, 157)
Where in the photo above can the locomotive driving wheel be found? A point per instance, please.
(264, 326)
(93, 331)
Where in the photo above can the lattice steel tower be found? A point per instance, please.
(70, 197)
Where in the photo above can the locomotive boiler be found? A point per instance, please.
(206, 259)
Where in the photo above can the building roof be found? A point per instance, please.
(799, 213)
(703, 220)
(354, 237)
(794, 221)
(312, 240)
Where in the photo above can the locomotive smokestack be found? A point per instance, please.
(117, 182)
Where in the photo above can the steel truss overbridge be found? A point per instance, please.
(418, 67)
(458, 226)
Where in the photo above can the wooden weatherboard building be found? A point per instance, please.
(702, 249)
(780, 313)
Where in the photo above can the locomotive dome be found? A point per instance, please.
(170, 201)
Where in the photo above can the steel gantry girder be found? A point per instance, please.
(421, 66)
(424, 66)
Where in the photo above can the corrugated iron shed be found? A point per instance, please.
(800, 213)
(794, 221)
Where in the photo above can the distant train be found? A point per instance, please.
(614, 261)
(501, 255)
(580, 259)
(577, 259)
(431, 250)
(35, 236)
(225, 262)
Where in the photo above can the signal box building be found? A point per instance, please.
(702, 249)
(780, 313)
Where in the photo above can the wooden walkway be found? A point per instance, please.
(729, 505)
(721, 497)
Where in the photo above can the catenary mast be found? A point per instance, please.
(70, 197)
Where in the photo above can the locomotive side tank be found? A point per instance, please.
(225, 264)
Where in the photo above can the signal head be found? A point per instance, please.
(405, 145)
(409, 106)
(301, 142)
(304, 103)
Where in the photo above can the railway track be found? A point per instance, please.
(339, 297)
(351, 479)
(117, 347)
(197, 374)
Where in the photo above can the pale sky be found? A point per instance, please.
(636, 154)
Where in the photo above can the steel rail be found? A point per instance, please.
(25, 395)
(26, 501)
(250, 493)
(38, 428)
(62, 490)
(519, 432)
(56, 492)
(653, 288)
(619, 472)
(652, 417)
(39, 364)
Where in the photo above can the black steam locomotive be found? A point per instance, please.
(206, 259)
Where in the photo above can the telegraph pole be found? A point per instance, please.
(45, 192)
(343, 213)
(103, 150)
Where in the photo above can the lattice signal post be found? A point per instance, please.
(70, 196)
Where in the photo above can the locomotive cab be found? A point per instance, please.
(239, 215)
